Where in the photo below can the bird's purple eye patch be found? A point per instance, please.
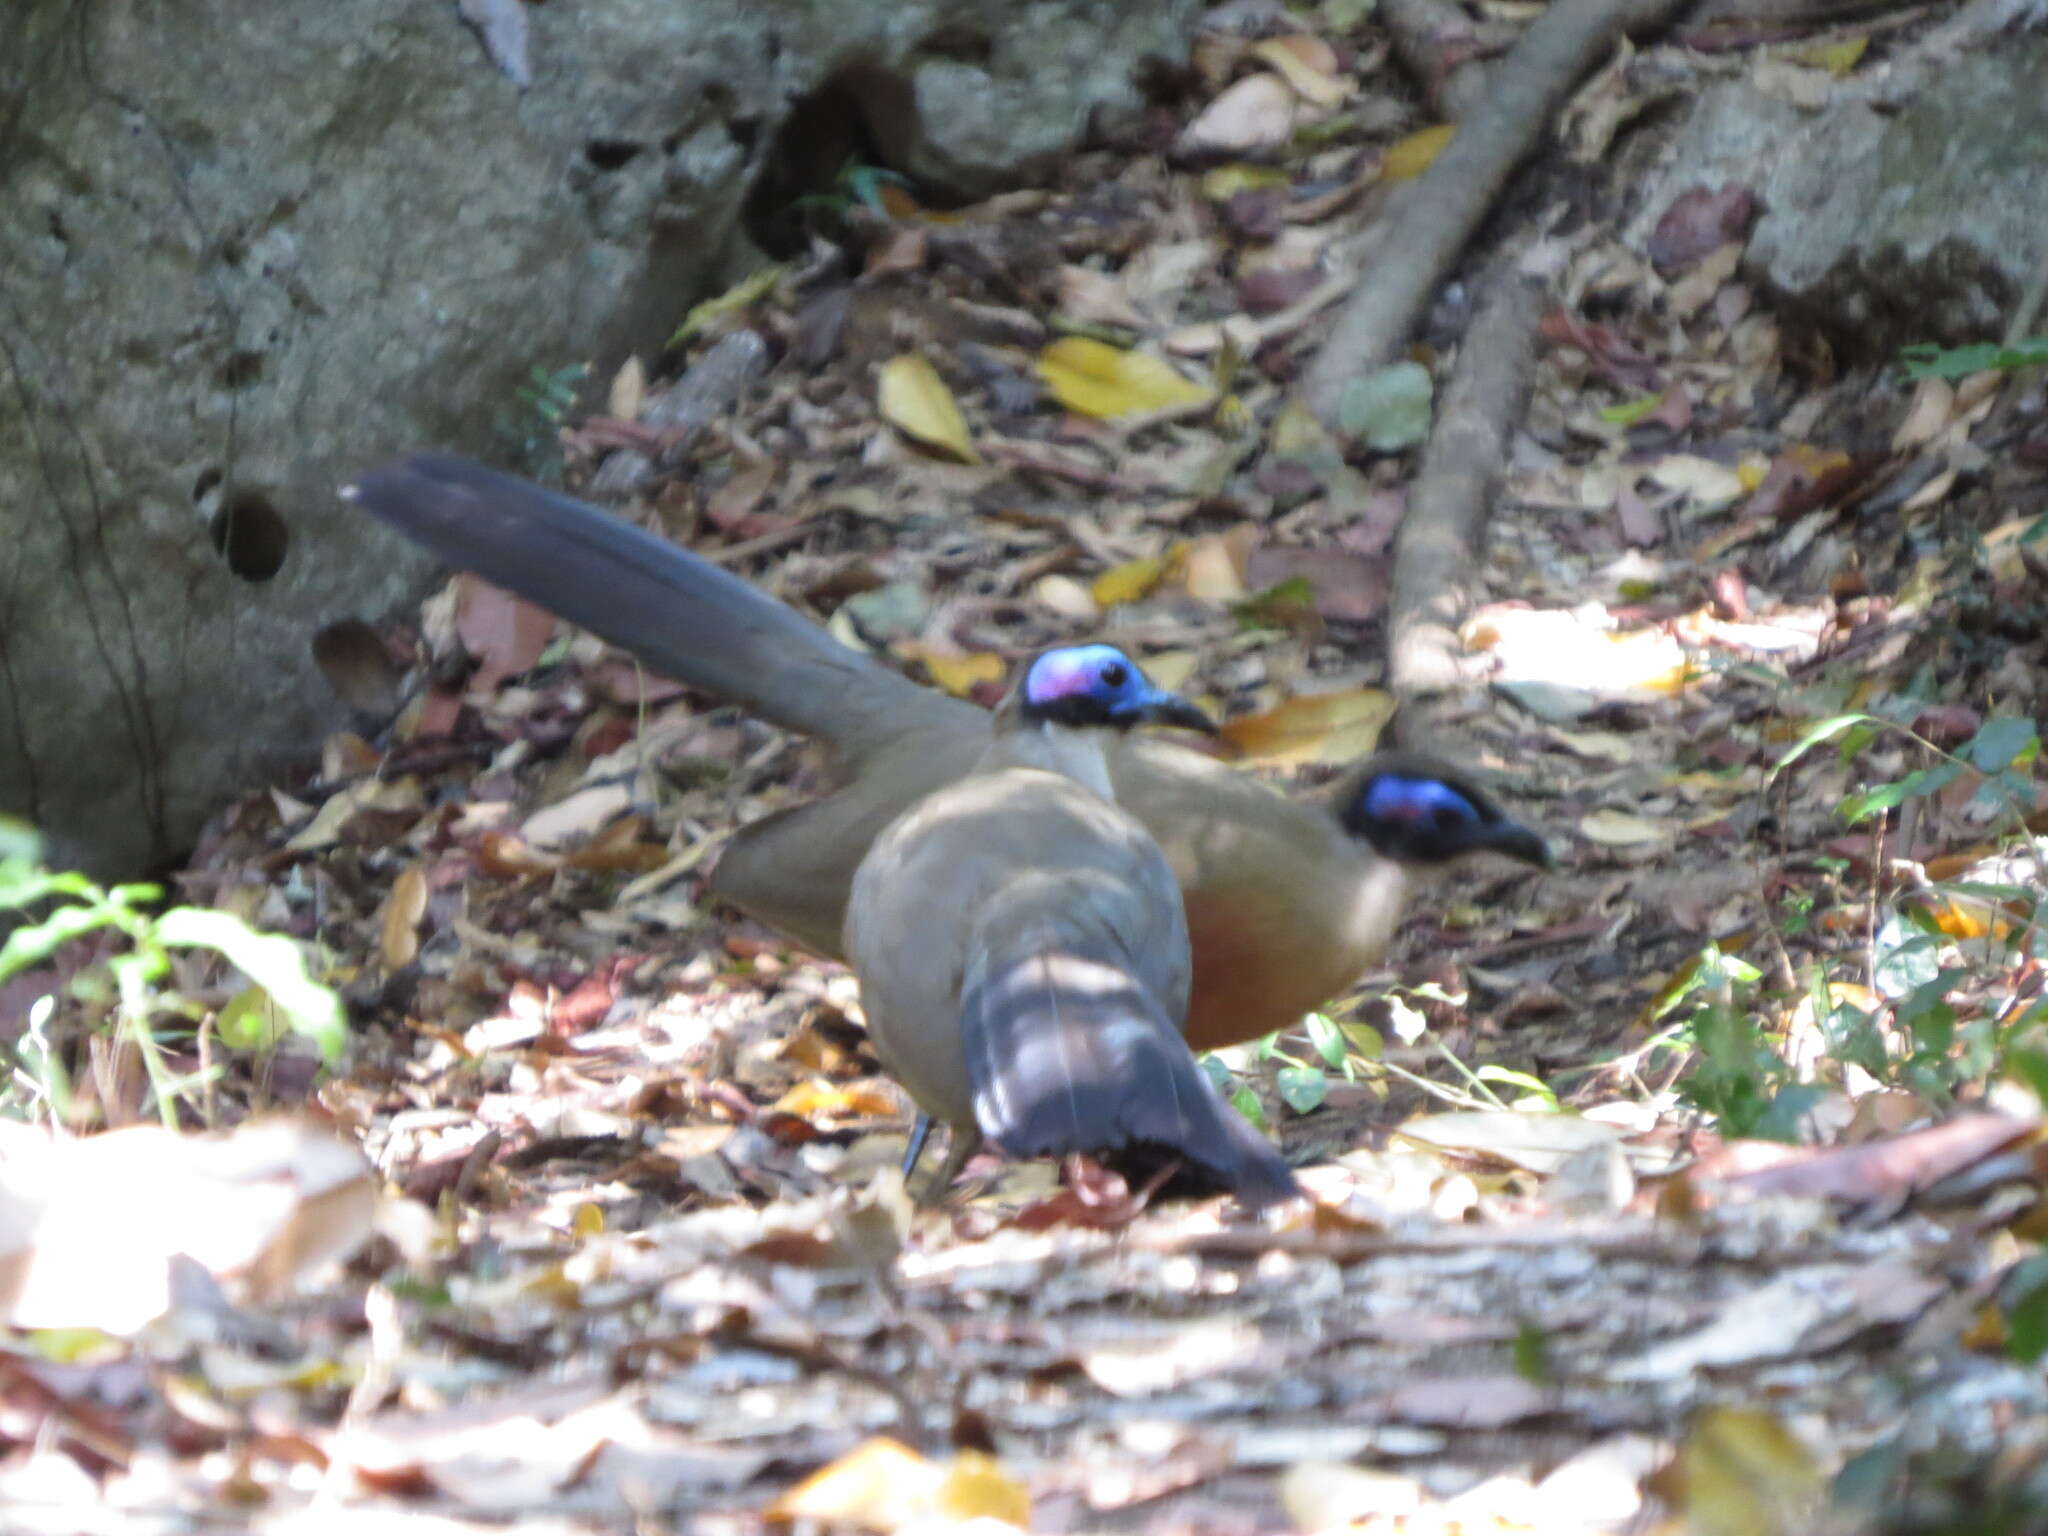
(1064, 673)
(1393, 798)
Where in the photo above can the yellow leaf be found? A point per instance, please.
(588, 1221)
(1744, 1474)
(1226, 181)
(1099, 380)
(398, 942)
(879, 1484)
(960, 675)
(1319, 728)
(1128, 582)
(976, 1487)
(737, 297)
(916, 402)
(1837, 58)
(814, 1100)
(1308, 66)
(1409, 157)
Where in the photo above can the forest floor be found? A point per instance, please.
(1680, 1186)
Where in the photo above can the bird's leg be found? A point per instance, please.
(920, 1133)
(960, 1146)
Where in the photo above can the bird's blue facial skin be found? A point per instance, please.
(1099, 672)
(1419, 803)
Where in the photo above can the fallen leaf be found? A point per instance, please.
(1348, 588)
(1257, 113)
(1308, 64)
(1541, 1143)
(915, 401)
(91, 1230)
(1097, 298)
(961, 675)
(398, 941)
(1330, 1496)
(1620, 829)
(1701, 220)
(1742, 1473)
(628, 392)
(1316, 728)
(1096, 379)
(1468, 1402)
(505, 634)
(1409, 157)
(733, 501)
(1130, 581)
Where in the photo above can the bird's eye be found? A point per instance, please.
(1115, 674)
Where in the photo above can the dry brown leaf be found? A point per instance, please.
(733, 501)
(1309, 65)
(505, 634)
(1257, 113)
(398, 942)
(915, 401)
(1097, 298)
(1317, 728)
(1215, 565)
(629, 390)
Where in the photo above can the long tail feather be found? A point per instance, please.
(685, 617)
(1066, 1054)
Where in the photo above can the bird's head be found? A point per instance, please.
(1418, 811)
(1098, 685)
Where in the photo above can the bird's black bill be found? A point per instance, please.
(1516, 841)
(1172, 709)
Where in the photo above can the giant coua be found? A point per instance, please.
(1287, 901)
(1021, 948)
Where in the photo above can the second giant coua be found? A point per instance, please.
(1022, 954)
(1287, 901)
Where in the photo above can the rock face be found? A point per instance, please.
(246, 250)
(1899, 212)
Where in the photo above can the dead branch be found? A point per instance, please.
(1437, 550)
(1451, 198)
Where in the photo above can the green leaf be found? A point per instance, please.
(1827, 730)
(1532, 1353)
(37, 942)
(1302, 1089)
(1387, 410)
(1327, 1039)
(20, 843)
(1246, 1103)
(1525, 1081)
(1629, 412)
(273, 962)
(2000, 743)
(1922, 781)
(2026, 1315)
(1924, 360)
